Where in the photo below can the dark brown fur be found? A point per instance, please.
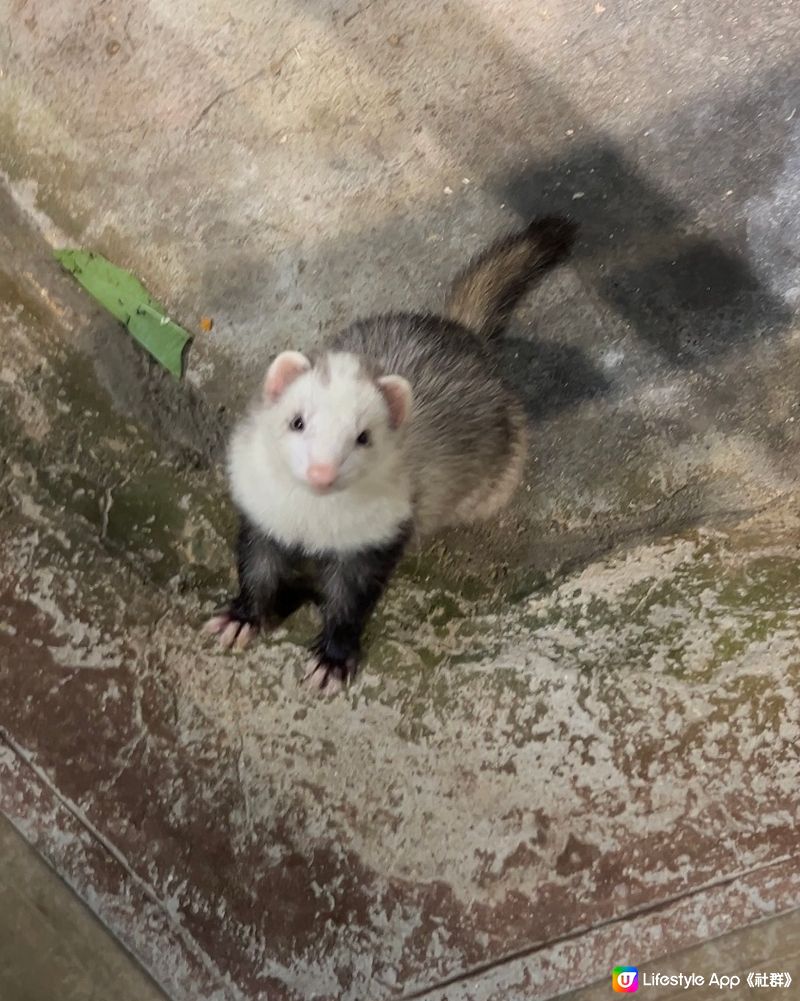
(484, 294)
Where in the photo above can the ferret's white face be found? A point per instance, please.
(332, 426)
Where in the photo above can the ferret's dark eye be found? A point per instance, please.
(297, 423)
(363, 438)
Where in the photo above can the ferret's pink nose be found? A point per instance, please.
(321, 475)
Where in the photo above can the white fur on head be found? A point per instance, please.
(397, 393)
(331, 416)
(282, 373)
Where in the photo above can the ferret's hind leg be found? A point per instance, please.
(491, 497)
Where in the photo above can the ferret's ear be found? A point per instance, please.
(397, 393)
(282, 373)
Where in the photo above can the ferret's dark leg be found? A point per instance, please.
(263, 567)
(351, 587)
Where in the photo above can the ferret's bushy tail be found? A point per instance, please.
(483, 296)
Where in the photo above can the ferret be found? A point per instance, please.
(397, 428)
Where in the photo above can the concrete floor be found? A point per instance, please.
(576, 735)
(53, 946)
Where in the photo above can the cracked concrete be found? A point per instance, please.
(576, 734)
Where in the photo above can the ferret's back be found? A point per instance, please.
(465, 423)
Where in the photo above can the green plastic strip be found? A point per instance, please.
(127, 299)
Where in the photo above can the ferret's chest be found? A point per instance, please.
(292, 515)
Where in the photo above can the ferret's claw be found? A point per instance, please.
(216, 624)
(334, 686)
(230, 632)
(246, 633)
(314, 676)
(329, 679)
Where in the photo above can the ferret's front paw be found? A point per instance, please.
(326, 676)
(231, 631)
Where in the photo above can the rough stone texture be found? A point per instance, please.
(577, 729)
